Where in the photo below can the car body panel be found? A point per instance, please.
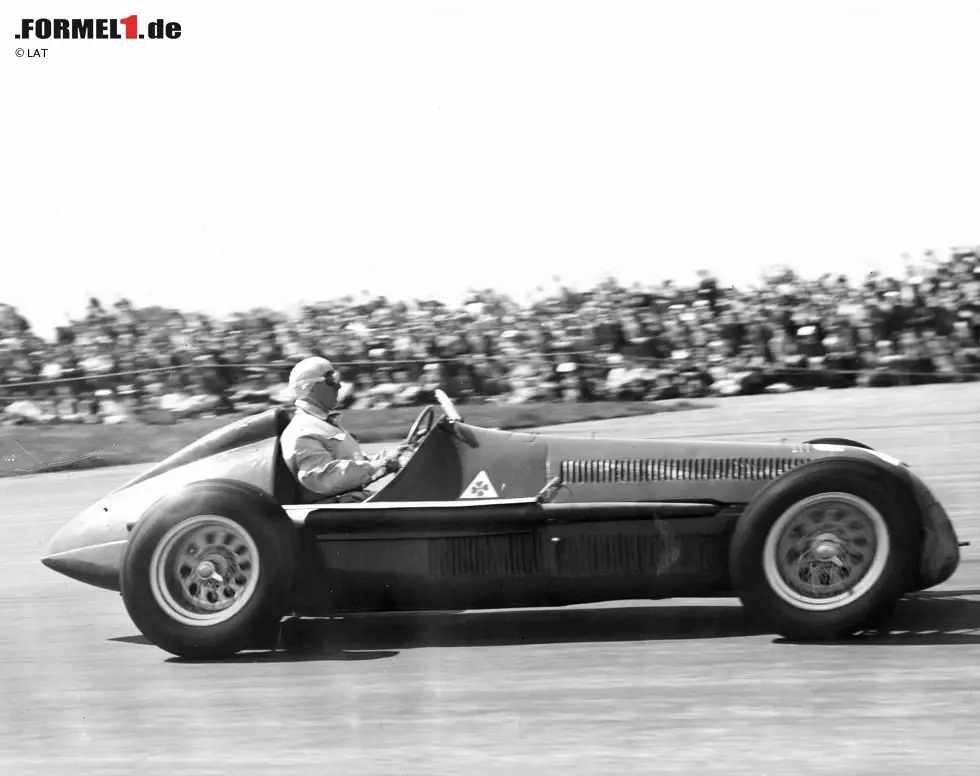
(540, 564)
(222, 448)
(90, 547)
(453, 457)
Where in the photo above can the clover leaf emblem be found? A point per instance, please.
(480, 488)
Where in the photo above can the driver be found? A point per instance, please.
(324, 458)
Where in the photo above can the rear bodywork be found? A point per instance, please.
(465, 525)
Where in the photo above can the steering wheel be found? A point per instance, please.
(423, 423)
(426, 418)
(421, 426)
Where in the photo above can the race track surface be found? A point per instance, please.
(634, 688)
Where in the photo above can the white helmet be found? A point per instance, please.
(306, 374)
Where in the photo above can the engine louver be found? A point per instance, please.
(668, 469)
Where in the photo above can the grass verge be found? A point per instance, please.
(37, 449)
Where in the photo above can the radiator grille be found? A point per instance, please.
(672, 469)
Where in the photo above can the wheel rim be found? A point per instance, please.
(826, 551)
(204, 570)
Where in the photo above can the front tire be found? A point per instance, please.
(826, 550)
(207, 569)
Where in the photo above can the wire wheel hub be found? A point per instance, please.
(826, 551)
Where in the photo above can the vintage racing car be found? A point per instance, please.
(211, 547)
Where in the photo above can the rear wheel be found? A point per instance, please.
(826, 550)
(206, 571)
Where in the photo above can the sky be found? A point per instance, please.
(285, 152)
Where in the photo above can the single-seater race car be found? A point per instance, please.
(211, 548)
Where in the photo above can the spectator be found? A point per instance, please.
(664, 340)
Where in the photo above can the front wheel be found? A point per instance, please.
(206, 571)
(825, 551)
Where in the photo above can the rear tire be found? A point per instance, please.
(207, 570)
(826, 550)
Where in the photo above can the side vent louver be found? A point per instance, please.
(517, 555)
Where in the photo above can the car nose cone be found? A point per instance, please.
(95, 565)
(89, 548)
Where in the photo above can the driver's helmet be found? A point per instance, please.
(308, 373)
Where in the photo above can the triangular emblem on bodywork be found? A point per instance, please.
(481, 487)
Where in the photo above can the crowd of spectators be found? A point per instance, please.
(636, 343)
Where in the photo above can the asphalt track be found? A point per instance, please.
(670, 687)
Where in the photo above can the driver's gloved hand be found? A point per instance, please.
(392, 465)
